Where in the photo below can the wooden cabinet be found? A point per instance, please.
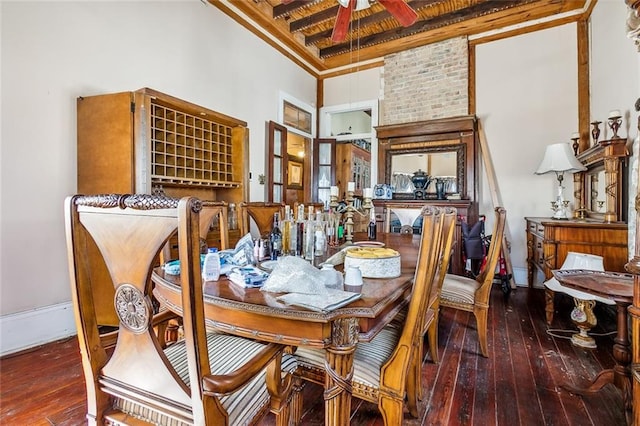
(149, 142)
(146, 141)
(465, 209)
(353, 165)
(549, 241)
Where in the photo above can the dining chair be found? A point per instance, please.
(261, 214)
(472, 295)
(430, 326)
(214, 214)
(449, 229)
(206, 378)
(384, 368)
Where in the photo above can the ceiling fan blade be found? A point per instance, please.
(401, 11)
(341, 26)
(286, 1)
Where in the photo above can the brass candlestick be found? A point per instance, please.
(348, 224)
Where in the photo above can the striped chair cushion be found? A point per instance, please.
(227, 353)
(459, 289)
(368, 358)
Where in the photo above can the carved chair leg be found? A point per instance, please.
(296, 404)
(481, 321)
(432, 338)
(391, 410)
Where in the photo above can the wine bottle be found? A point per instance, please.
(371, 230)
(275, 238)
(300, 231)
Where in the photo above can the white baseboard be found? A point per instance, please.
(520, 277)
(24, 330)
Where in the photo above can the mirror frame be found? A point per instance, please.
(610, 156)
(457, 134)
(427, 148)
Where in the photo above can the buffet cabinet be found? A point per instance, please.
(465, 210)
(149, 142)
(549, 241)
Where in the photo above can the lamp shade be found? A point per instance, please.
(577, 260)
(559, 158)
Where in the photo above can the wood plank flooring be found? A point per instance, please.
(519, 384)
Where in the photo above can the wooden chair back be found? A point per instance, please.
(140, 378)
(485, 278)
(261, 213)
(213, 213)
(395, 372)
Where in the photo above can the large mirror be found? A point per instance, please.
(445, 149)
(440, 163)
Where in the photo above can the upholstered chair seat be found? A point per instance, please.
(460, 289)
(231, 353)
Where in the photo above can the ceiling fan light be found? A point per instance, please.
(362, 4)
(344, 3)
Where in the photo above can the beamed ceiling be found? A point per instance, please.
(301, 29)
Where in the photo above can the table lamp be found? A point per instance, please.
(559, 158)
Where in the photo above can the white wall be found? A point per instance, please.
(615, 76)
(53, 52)
(527, 98)
(354, 87)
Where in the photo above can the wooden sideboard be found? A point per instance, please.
(549, 241)
(465, 209)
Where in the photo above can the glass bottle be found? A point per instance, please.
(320, 238)
(275, 238)
(286, 230)
(300, 231)
(309, 240)
(233, 217)
(371, 230)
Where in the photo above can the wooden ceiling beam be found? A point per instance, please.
(282, 10)
(443, 20)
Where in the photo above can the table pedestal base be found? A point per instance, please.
(583, 340)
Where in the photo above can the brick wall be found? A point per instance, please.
(426, 83)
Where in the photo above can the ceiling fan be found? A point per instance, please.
(398, 8)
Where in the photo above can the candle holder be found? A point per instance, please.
(333, 202)
(615, 122)
(348, 224)
(595, 132)
(350, 211)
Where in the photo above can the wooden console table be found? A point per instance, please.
(549, 241)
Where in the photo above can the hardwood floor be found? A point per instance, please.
(519, 384)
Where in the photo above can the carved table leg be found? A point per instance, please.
(549, 295)
(620, 375)
(339, 368)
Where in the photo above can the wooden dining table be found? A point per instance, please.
(257, 314)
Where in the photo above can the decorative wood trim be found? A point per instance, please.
(584, 98)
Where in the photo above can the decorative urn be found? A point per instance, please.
(420, 181)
